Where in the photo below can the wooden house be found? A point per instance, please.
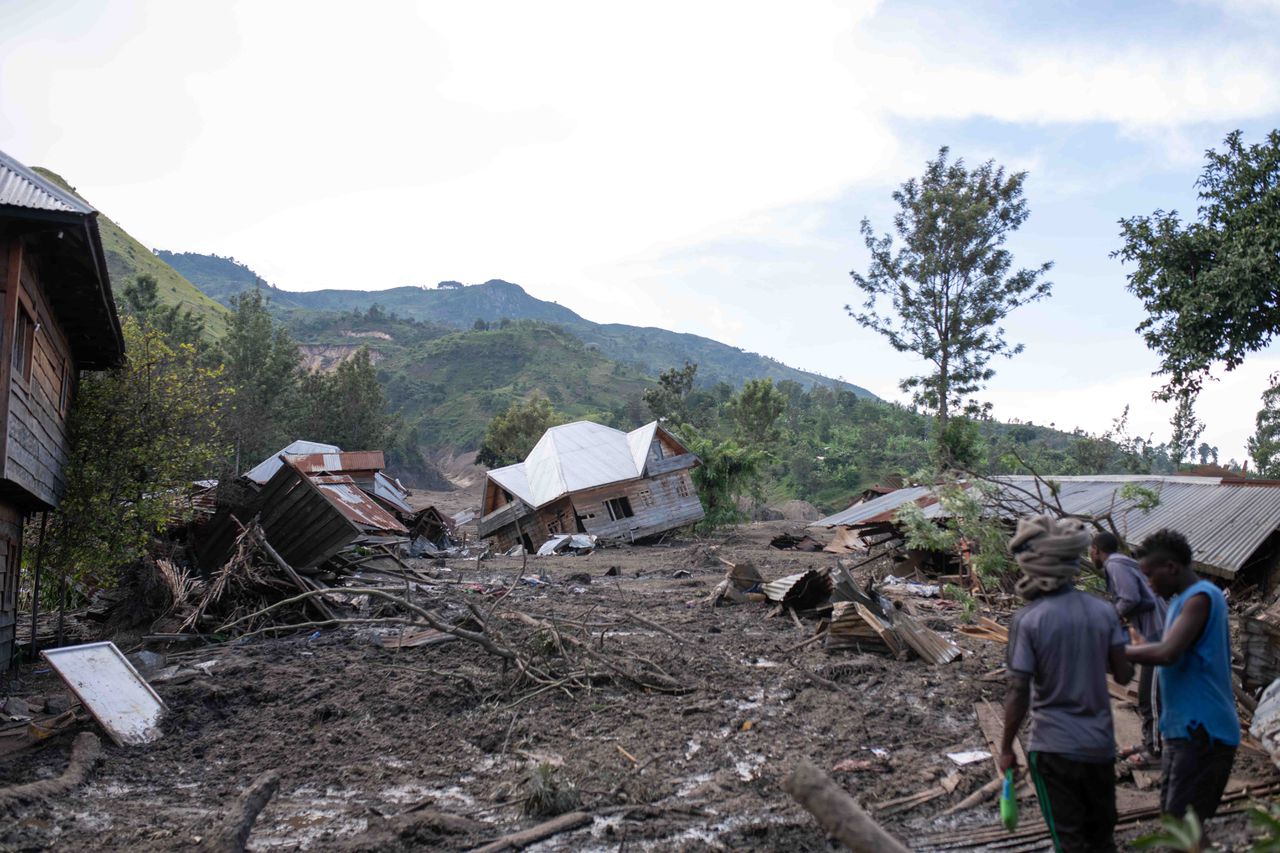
(58, 318)
(587, 478)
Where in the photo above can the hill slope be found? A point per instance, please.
(450, 383)
(127, 259)
(649, 350)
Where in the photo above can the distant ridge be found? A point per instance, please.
(650, 350)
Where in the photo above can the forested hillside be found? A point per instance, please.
(648, 350)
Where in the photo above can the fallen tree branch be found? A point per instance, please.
(837, 813)
(232, 833)
(85, 752)
(525, 837)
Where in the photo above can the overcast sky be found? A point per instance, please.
(702, 167)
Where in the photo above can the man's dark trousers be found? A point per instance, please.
(1078, 800)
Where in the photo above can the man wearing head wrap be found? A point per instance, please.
(1061, 645)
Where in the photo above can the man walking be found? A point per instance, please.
(1061, 645)
(1144, 611)
(1197, 704)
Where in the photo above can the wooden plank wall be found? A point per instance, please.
(10, 564)
(658, 504)
(36, 449)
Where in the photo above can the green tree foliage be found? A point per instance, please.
(756, 409)
(347, 406)
(262, 369)
(1209, 286)
(728, 473)
(141, 298)
(139, 435)
(669, 400)
(1264, 444)
(1187, 428)
(511, 435)
(950, 281)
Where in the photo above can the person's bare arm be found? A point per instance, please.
(1121, 668)
(1017, 701)
(1182, 635)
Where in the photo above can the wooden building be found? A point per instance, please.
(587, 478)
(58, 318)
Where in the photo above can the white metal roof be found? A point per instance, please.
(576, 456)
(22, 187)
(1225, 521)
(267, 468)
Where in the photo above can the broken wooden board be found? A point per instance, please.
(991, 722)
(1128, 728)
(413, 639)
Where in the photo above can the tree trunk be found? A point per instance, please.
(837, 813)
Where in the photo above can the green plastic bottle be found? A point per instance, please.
(1009, 802)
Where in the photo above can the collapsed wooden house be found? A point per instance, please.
(587, 478)
(58, 319)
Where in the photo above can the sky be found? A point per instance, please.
(701, 167)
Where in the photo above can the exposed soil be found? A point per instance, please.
(374, 744)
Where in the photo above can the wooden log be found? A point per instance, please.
(85, 752)
(525, 837)
(837, 813)
(978, 796)
(232, 833)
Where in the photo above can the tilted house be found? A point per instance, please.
(57, 319)
(587, 478)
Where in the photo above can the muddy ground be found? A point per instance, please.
(374, 743)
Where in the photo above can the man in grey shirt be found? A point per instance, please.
(1061, 645)
(1139, 607)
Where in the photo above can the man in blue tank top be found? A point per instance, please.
(1198, 708)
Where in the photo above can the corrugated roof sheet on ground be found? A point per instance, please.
(1225, 521)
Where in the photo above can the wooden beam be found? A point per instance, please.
(837, 813)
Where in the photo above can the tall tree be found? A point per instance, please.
(756, 409)
(1210, 286)
(511, 435)
(950, 282)
(139, 434)
(1264, 444)
(1187, 428)
(262, 369)
(347, 406)
(669, 400)
(141, 298)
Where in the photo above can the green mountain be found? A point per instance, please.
(648, 350)
(127, 259)
(450, 383)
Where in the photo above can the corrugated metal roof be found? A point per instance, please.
(1225, 521)
(21, 187)
(338, 463)
(352, 502)
(576, 456)
(860, 512)
(267, 468)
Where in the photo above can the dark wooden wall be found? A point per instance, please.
(10, 563)
(659, 503)
(36, 420)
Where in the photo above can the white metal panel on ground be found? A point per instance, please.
(111, 690)
(859, 513)
(267, 468)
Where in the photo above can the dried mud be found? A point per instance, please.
(374, 744)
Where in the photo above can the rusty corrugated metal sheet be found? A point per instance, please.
(342, 462)
(358, 507)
